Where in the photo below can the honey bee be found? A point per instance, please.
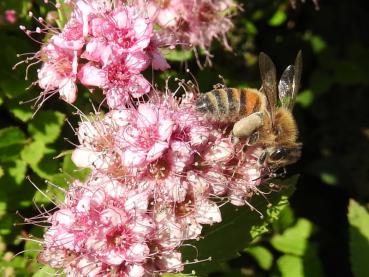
(255, 113)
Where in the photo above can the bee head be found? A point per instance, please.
(281, 156)
(285, 155)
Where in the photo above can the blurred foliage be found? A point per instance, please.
(358, 218)
(313, 236)
(242, 224)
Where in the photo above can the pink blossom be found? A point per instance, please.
(121, 84)
(109, 233)
(98, 50)
(71, 38)
(96, 144)
(197, 23)
(91, 76)
(159, 168)
(169, 150)
(11, 16)
(59, 71)
(148, 137)
(101, 46)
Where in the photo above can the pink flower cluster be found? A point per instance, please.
(159, 172)
(105, 229)
(102, 46)
(107, 44)
(193, 22)
(166, 147)
(11, 16)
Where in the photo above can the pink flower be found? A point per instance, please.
(121, 83)
(98, 50)
(109, 233)
(102, 46)
(148, 137)
(166, 13)
(196, 23)
(59, 71)
(92, 76)
(71, 38)
(96, 144)
(11, 16)
(157, 170)
(158, 61)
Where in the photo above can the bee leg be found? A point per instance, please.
(274, 174)
(253, 138)
(262, 158)
(247, 125)
(234, 140)
(283, 173)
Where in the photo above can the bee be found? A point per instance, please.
(255, 114)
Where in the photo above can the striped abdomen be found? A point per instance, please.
(230, 104)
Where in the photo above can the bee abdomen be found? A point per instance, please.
(230, 104)
(249, 101)
(214, 104)
(233, 103)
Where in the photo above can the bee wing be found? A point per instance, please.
(269, 82)
(290, 83)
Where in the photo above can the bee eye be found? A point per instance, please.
(278, 154)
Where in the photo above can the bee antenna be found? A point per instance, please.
(221, 78)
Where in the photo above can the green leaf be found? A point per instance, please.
(33, 152)
(32, 248)
(262, 256)
(176, 275)
(6, 224)
(178, 55)
(18, 171)
(250, 28)
(21, 111)
(10, 136)
(289, 266)
(223, 241)
(11, 83)
(46, 126)
(55, 190)
(63, 13)
(312, 265)
(47, 167)
(46, 271)
(295, 239)
(328, 178)
(305, 98)
(11, 143)
(3, 206)
(285, 220)
(317, 42)
(278, 18)
(358, 218)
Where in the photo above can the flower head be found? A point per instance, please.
(102, 45)
(196, 23)
(11, 16)
(159, 171)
